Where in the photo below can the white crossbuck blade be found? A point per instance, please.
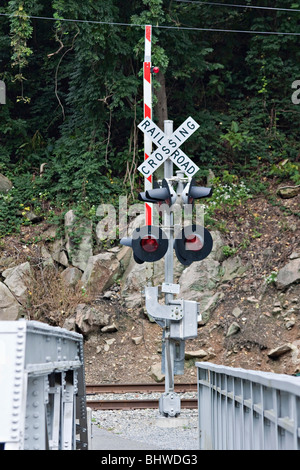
(168, 147)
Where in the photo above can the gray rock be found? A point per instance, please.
(70, 324)
(233, 329)
(17, 280)
(109, 328)
(237, 312)
(289, 324)
(156, 374)
(276, 311)
(33, 217)
(58, 252)
(101, 272)
(280, 350)
(137, 339)
(90, 319)
(137, 276)
(46, 257)
(288, 191)
(207, 303)
(71, 276)
(199, 277)
(9, 306)
(218, 243)
(200, 353)
(289, 274)
(79, 243)
(5, 184)
(124, 257)
(232, 268)
(108, 295)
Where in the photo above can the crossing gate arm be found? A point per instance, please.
(242, 409)
(42, 387)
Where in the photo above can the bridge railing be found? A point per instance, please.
(242, 409)
(42, 388)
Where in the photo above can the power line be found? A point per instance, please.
(177, 28)
(239, 6)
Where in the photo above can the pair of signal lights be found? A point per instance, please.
(150, 243)
(165, 193)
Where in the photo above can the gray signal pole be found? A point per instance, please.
(169, 404)
(178, 318)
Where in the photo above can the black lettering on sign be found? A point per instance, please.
(151, 131)
(158, 156)
(145, 124)
(166, 150)
(190, 125)
(172, 143)
(144, 171)
(152, 163)
(183, 132)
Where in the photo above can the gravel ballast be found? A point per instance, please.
(148, 425)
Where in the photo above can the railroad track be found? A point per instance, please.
(136, 403)
(138, 388)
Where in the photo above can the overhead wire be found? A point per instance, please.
(238, 6)
(177, 28)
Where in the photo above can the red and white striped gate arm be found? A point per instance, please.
(148, 113)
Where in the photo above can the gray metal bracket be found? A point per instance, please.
(182, 314)
(173, 311)
(169, 404)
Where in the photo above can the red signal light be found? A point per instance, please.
(149, 244)
(154, 69)
(193, 243)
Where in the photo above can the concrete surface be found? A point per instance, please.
(105, 440)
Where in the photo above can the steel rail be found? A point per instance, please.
(138, 388)
(188, 403)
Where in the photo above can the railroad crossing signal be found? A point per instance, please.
(192, 192)
(165, 193)
(194, 243)
(178, 318)
(168, 147)
(148, 243)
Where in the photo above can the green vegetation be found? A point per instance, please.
(68, 133)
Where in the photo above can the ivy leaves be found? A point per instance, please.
(20, 30)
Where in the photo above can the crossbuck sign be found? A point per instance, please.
(168, 147)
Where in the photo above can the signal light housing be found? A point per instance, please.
(159, 194)
(193, 244)
(149, 244)
(192, 192)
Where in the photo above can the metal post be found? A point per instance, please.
(147, 113)
(168, 223)
(169, 402)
